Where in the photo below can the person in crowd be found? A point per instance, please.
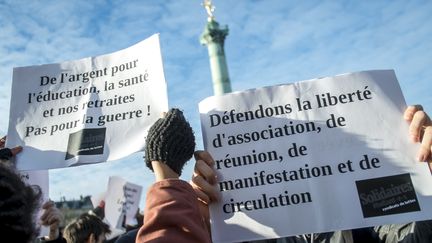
(420, 131)
(171, 211)
(87, 228)
(19, 204)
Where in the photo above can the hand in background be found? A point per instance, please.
(51, 217)
(6, 153)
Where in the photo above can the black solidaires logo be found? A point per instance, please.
(88, 141)
(387, 195)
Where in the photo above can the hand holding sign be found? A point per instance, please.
(82, 111)
(6, 153)
(420, 131)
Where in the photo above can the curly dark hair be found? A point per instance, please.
(18, 205)
(81, 228)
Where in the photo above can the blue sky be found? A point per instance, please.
(270, 42)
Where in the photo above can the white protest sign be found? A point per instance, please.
(39, 178)
(97, 199)
(87, 111)
(122, 200)
(313, 156)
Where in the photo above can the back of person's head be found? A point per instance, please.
(18, 205)
(85, 227)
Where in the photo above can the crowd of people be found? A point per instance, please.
(176, 210)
